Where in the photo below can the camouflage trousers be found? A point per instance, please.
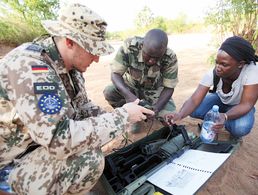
(42, 174)
(116, 99)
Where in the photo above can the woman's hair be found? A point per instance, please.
(239, 49)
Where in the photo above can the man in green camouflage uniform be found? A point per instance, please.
(49, 128)
(144, 68)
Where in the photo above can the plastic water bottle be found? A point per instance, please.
(211, 117)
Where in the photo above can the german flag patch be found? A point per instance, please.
(39, 69)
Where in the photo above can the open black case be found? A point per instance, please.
(126, 170)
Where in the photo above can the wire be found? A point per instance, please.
(126, 140)
(152, 121)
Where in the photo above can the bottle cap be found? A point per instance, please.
(215, 108)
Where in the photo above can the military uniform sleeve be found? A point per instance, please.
(57, 132)
(84, 103)
(121, 61)
(94, 109)
(170, 69)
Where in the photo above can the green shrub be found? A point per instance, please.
(16, 31)
(20, 20)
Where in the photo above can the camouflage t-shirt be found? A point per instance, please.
(129, 63)
(36, 107)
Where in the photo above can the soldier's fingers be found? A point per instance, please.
(144, 117)
(136, 101)
(147, 111)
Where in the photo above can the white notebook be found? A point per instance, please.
(186, 174)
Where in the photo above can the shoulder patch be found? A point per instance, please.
(42, 88)
(35, 48)
(50, 104)
(39, 69)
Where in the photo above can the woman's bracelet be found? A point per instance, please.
(226, 116)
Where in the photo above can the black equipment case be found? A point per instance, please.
(127, 170)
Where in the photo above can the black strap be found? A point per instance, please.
(215, 82)
(31, 147)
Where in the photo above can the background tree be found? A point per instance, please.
(145, 21)
(179, 24)
(159, 22)
(238, 17)
(20, 19)
(144, 18)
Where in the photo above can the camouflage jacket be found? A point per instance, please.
(129, 63)
(35, 106)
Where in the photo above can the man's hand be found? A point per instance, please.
(164, 98)
(124, 89)
(136, 112)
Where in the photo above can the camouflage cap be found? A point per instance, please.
(82, 25)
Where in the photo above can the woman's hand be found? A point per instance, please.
(171, 118)
(220, 124)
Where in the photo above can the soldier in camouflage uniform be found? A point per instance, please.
(49, 128)
(144, 68)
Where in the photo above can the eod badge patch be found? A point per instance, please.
(50, 103)
(43, 88)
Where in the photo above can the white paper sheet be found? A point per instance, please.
(186, 174)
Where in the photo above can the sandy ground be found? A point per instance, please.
(239, 174)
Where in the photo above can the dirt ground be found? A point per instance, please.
(239, 174)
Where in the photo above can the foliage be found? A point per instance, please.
(113, 35)
(159, 22)
(236, 16)
(144, 18)
(122, 35)
(15, 31)
(145, 21)
(20, 19)
(178, 25)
